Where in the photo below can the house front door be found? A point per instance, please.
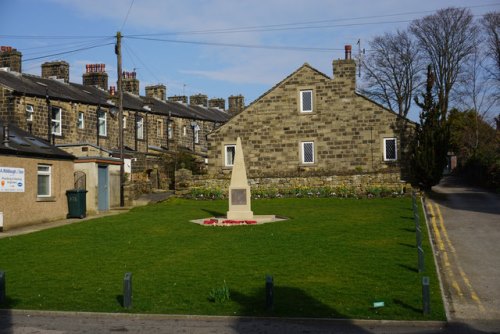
(103, 188)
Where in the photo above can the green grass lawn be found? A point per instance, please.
(332, 258)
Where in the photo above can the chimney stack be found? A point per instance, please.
(178, 98)
(56, 69)
(344, 72)
(236, 104)
(198, 100)
(130, 82)
(11, 58)
(95, 75)
(157, 91)
(218, 103)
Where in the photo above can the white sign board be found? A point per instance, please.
(11, 179)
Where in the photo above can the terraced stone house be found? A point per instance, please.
(83, 120)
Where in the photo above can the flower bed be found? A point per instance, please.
(342, 191)
(228, 222)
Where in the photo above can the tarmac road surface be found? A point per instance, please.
(44, 322)
(465, 227)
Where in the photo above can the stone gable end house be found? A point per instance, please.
(312, 130)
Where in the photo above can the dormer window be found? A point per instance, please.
(306, 101)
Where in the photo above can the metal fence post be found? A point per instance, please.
(421, 263)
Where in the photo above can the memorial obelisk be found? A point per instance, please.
(239, 190)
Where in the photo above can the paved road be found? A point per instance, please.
(26, 322)
(465, 222)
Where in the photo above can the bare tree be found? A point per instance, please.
(476, 89)
(392, 71)
(491, 26)
(447, 39)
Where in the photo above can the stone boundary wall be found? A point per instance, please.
(185, 181)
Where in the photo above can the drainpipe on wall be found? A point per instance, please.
(97, 124)
(49, 115)
(135, 127)
(147, 132)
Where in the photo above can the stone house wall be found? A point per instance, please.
(347, 129)
(26, 208)
(359, 183)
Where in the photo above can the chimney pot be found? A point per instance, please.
(348, 49)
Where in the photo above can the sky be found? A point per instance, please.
(214, 47)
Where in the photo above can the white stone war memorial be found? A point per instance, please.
(239, 190)
(240, 209)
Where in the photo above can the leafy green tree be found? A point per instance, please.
(477, 146)
(430, 148)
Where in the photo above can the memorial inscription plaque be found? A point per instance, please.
(239, 196)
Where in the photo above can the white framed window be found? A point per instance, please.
(390, 149)
(140, 127)
(102, 117)
(81, 120)
(124, 122)
(170, 131)
(196, 130)
(307, 152)
(159, 128)
(229, 151)
(44, 181)
(184, 131)
(56, 121)
(306, 100)
(29, 112)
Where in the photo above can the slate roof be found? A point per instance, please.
(36, 86)
(181, 110)
(22, 143)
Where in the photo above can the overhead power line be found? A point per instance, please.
(68, 52)
(126, 16)
(249, 46)
(305, 24)
(317, 24)
(62, 47)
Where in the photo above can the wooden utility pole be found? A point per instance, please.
(118, 51)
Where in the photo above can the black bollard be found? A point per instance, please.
(127, 290)
(269, 293)
(3, 295)
(426, 302)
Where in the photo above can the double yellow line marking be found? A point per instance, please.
(444, 245)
